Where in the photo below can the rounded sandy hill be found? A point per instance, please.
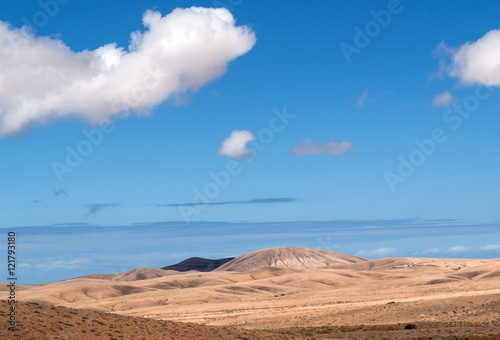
(288, 257)
(132, 275)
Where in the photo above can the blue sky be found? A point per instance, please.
(287, 114)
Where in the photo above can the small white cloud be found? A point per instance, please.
(42, 79)
(362, 98)
(235, 145)
(491, 247)
(443, 99)
(377, 252)
(457, 249)
(475, 62)
(307, 147)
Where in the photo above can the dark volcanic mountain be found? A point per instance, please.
(198, 263)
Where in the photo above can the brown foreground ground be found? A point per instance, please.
(439, 298)
(43, 322)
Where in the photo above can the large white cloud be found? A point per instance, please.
(41, 79)
(235, 145)
(477, 62)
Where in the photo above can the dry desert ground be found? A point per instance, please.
(276, 293)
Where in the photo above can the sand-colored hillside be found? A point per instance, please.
(456, 296)
(132, 275)
(288, 257)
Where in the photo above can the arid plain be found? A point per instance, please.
(290, 293)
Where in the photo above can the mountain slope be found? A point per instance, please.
(288, 257)
(131, 275)
(198, 263)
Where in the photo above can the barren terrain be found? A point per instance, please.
(352, 298)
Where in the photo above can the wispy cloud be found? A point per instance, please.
(362, 98)
(174, 54)
(60, 192)
(457, 249)
(97, 207)
(454, 249)
(443, 99)
(377, 252)
(491, 247)
(307, 147)
(444, 54)
(443, 50)
(461, 249)
(369, 97)
(432, 251)
(48, 264)
(235, 145)
(254, 201)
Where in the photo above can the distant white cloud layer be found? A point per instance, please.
(461, 249)
(443, 99)
(307, 147)
(42, 79)
(476, 62)
(235, 145)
